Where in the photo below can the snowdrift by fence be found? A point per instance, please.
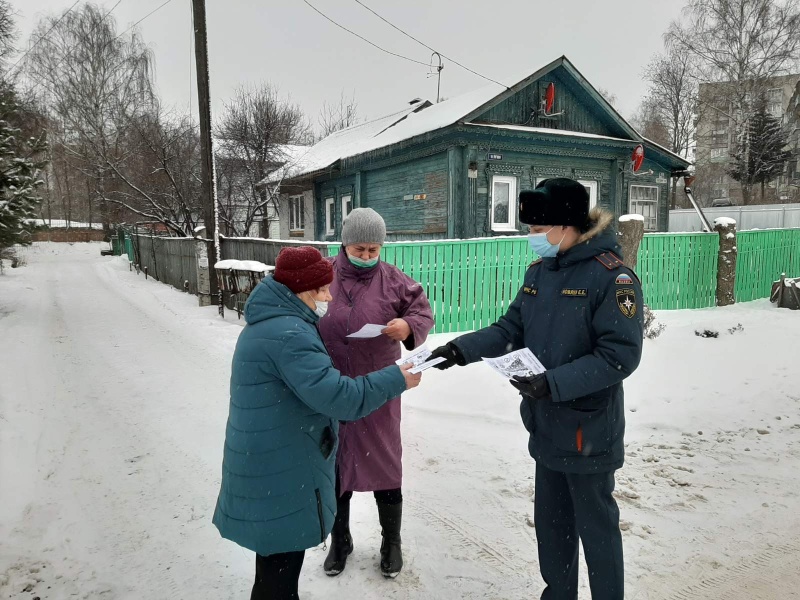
(470, 283)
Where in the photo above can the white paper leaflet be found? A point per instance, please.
(368, 331)
(521, 363)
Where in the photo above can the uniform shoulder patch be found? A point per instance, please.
(610, 260)
(626, 301)
(624, 279)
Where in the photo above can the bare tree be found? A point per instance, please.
(335, 117)
(158, 174)
(8, 32)
(740, 45)
(649, 121)
(610, 98)
(671, 103)
(94, 83)
(257, 133)
(673, 97)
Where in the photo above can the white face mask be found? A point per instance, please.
(322, 308)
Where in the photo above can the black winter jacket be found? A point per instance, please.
(580, 313)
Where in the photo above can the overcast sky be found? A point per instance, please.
(288, 44)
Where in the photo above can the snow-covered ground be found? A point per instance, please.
(113, 400)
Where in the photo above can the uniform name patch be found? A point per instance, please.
(626, 301)
(575, 292)
(530, 291)
(624, 279)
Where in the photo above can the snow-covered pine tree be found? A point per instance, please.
(20, 165)
(761, 152)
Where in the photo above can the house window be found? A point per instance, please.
(775, 102)
(297, 217)
(330, 215)
(347, 206)
(644, 201)
(504, 203)
(719, 152)
(591, 188)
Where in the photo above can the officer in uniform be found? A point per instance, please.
(579, 311)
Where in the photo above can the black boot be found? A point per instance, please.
(341, 540)
(390, 516)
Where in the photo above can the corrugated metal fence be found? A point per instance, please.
(766, 216)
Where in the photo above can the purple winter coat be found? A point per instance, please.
(370, 451)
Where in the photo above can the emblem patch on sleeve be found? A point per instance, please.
(626, 301)
(624, 279)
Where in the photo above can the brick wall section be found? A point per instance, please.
(69, 235)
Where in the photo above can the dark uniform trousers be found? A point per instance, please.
(569, 507)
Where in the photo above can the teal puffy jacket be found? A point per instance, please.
(277, 492)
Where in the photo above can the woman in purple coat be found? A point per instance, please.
(369, 459)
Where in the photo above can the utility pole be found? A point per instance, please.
(208, 173)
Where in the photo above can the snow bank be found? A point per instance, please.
(126, 436)
(243, 265)
(627, 218)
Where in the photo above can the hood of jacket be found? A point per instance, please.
(271, 299)
(599, 239)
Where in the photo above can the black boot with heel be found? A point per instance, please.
(390, 516)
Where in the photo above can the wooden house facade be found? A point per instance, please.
(454, 169)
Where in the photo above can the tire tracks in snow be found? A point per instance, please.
(770, 574)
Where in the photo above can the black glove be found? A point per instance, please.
(451, 354)
(532, 386)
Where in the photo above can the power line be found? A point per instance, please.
(148, 15)
(365, 39)
(20, 59)
(428, 47)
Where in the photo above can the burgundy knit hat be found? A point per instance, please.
(302, 269)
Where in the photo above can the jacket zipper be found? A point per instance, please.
(321, 521)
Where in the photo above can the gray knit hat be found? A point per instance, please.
(363, 226)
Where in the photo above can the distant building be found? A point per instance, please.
(237, 198)
(455, 169)
(716, 140)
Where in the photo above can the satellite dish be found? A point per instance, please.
(637, 158)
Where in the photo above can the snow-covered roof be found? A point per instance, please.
(353, 140)
(425, 117)
(666, 151)
(547, 131)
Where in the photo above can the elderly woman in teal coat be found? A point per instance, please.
(286, 399)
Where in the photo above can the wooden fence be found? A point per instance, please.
(170, 260)
(470, 283)
(762, 257)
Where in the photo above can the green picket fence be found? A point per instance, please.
(470, 283)
(678, 270)
(762, 257)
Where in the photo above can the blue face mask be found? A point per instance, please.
(542, 246)
(363, 264)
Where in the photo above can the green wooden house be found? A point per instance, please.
(454, 169)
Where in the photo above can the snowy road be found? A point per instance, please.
(113, 399)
